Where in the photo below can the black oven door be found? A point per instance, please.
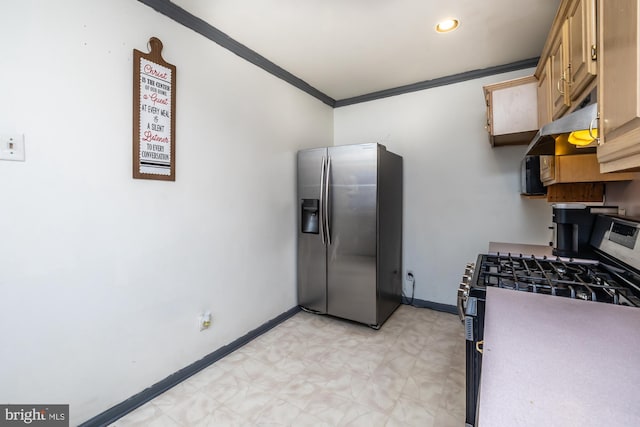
(474, 332)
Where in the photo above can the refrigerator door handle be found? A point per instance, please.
(326, 201)
(322, 168)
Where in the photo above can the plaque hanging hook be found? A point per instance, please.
(155, 46)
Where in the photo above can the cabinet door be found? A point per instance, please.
(544, 96)
(559, 83)
(512, 116)
(489, 126)
(513, 108)
(547, 169)
(619, 85)
(581, 45)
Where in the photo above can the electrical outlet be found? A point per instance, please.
(12, 147)
(410, 276)
(204, 321)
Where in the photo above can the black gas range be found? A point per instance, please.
(612, 278)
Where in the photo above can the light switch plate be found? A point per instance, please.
(12, 147)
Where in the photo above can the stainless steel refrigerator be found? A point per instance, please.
(350, 232)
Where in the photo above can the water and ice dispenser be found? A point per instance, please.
(310, 215)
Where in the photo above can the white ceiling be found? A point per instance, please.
(347, 48)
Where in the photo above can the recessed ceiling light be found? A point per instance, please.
(447, 25)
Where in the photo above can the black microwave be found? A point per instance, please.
(530, 183)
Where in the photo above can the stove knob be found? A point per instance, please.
(466, 279)
(464, 290)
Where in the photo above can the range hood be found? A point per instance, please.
(544, 142)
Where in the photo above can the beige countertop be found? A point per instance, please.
(553, 361)
(520, 248)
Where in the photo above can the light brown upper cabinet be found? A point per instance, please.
(582, 48)
(569, 59)
(512, 111)
(544, 95)
(559, 69)
(619, 85)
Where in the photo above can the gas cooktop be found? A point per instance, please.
(583, 279)
(614, 277)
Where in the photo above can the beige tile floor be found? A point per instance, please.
(316, 370)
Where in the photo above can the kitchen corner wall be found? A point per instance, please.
(626, 195)
(102, 277)
(459, 193)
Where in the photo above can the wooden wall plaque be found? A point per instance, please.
(154, 115)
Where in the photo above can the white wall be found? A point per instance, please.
(459, 193)
(625, 194)
(102, 277)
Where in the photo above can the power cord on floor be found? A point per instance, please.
(413, 288)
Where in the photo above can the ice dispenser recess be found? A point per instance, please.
(310, 212)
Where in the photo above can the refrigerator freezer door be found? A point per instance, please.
(351, 258)
(312, 264)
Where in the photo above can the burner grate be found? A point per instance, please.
(572, 279)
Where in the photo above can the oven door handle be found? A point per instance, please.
(480, 346)
(462, 295)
